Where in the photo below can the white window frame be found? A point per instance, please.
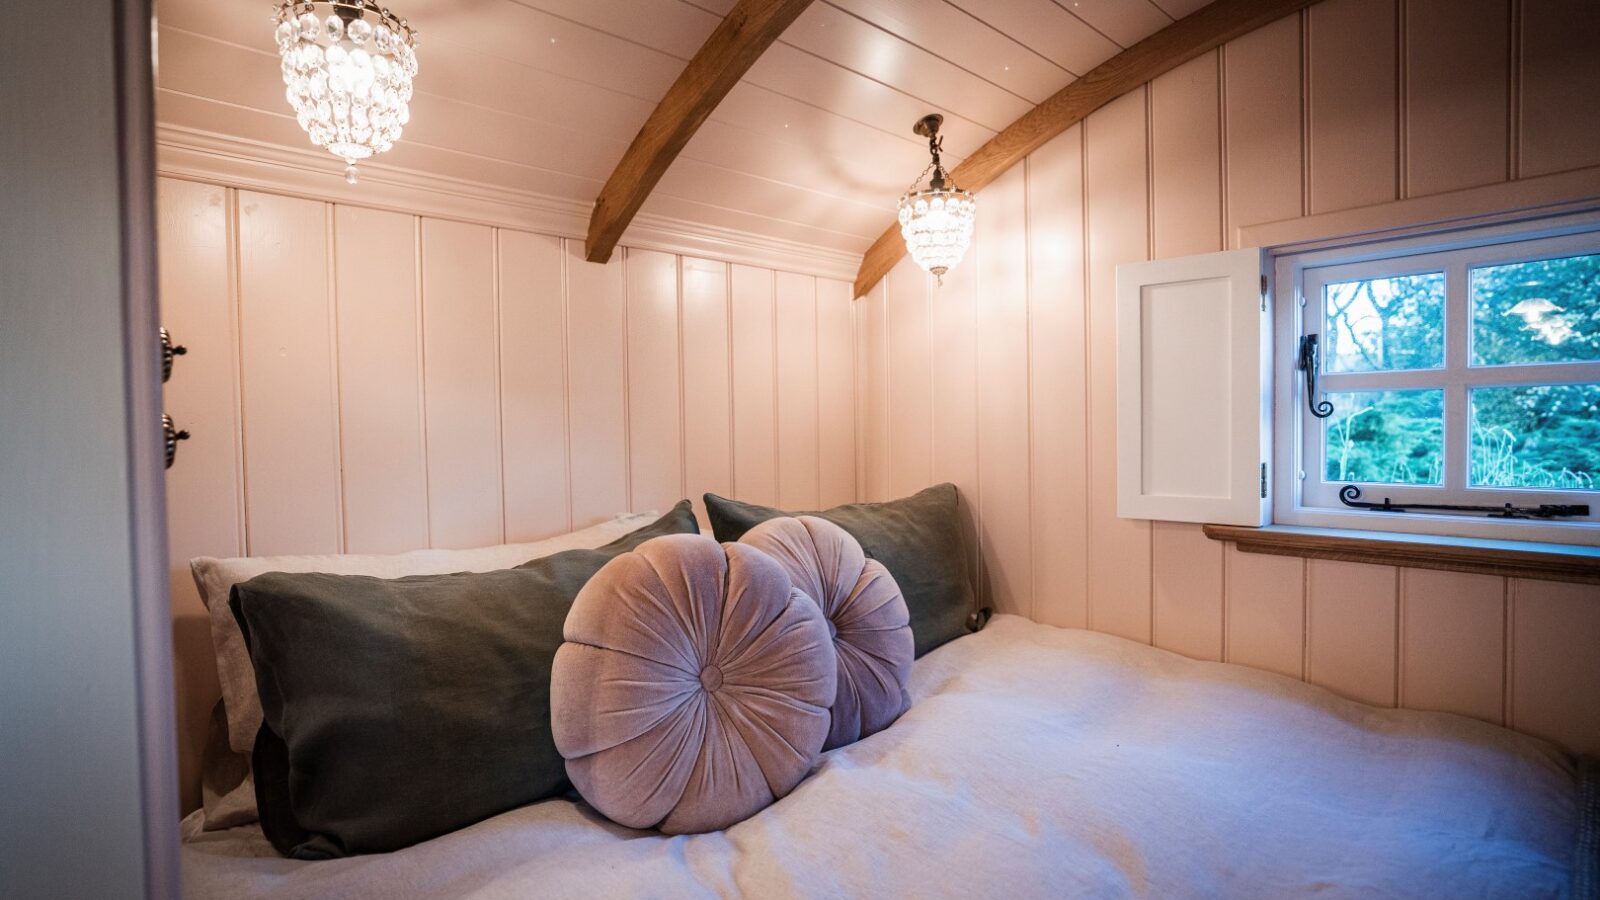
(1301, 497)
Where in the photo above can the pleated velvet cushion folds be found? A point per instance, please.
(694, 686)
(866, 614)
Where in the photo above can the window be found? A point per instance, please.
(1459, 374)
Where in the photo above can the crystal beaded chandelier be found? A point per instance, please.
(347, 74)
(937, 222)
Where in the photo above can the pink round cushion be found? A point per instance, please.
(693, 687)
(866, 612)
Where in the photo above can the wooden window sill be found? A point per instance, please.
(1513, 559)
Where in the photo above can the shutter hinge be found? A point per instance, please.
(1263, 293)
(1263, 481)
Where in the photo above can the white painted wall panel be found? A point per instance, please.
(461, 383)
(1118, 231)
(380, 380)
(288, 396)
(655, 419)
(533, 386)
(755, 387)
(708, 381)
(795, 317)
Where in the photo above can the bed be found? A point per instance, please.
(1043, 762)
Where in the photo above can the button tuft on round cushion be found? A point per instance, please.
(867, 616)
(694, 685)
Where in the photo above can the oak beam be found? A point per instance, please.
(738, 41)
(1203, 30)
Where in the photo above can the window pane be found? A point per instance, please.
(1542, 436)
(1384, 323)
(1386, 437)
(1543, 311)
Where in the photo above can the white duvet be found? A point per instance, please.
(1042, 762)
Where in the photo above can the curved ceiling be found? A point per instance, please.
(814, 145)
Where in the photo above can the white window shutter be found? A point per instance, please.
(1194, 389)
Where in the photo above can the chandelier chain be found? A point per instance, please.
(918, 180)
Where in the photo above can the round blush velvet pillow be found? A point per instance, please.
(694, 686)
(865, 610)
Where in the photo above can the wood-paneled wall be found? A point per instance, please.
(1003, 381)
(367, 381)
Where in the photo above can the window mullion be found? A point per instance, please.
(1457, 341)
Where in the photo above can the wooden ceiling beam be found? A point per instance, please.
(738, 41)
(1201, 31)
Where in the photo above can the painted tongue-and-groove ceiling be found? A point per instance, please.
(813, 146)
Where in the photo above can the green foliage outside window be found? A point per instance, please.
(1544, 311)
(1388, 437)
(1536, 436)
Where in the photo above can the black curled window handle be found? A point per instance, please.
(1308, 365)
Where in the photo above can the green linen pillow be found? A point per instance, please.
(918, 539)
(396, 710)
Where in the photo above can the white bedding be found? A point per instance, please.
(1042, 762)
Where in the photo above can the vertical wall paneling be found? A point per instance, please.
(910, 379)
(1186, 590)
(596, 388)
(288, 338)
(364, 380)
(1555, 684)
(870, 325)
(795, 316)
(1261, 101)
(1346, 104)
(1452, 642)
(1264, 616)
(1560, 79)
(461, 383)
(707, 381)
(1350, 629)
(1115, 162)
(1058, 403)
(836, 394)
(1456, 94)
(1352, 104)
(533, 386)
(1186, 177)
(953, 329)
(1005, 526)
(755, 387)
(380, 379)
(1186, 159)
(655, 435)
(288, 396)
(197, 307)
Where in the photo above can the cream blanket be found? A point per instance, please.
(1042, 762)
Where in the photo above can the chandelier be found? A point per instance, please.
(937, 222)
(347, 74)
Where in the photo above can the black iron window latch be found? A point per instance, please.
(1349, 493)
(1307, 364)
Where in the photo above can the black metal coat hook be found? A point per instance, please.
(171, 435)
(168, 351)
(1308, 365)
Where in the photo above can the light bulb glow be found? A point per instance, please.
(937, 227)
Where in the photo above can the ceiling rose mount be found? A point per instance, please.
(347, 71)
(936, 222)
